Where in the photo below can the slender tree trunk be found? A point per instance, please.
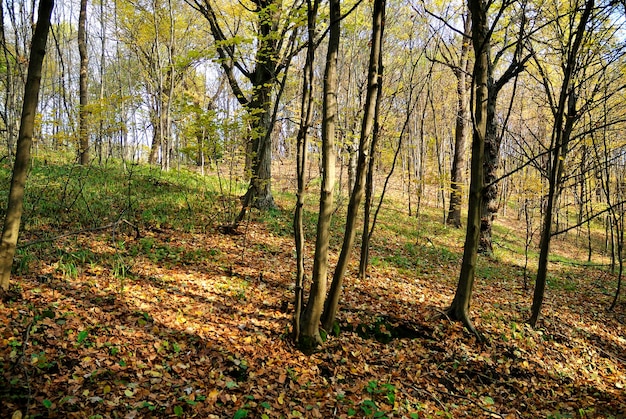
(101, 110)
(459, 309)
(301, 160)
(8, 115)
(460, 135)
(309, 333)
(620, 257)
(156, 137)
(83, 132)
(366, 150)
(14, 210)
(565, 115)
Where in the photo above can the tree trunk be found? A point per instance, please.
(461, 128)
(301, 159)
(13, 217)
(9, 114)
(493, 141)
(565, 115)
(309, 333)
(490, 193)
(366, 150)
(459, 309)
(83, 133)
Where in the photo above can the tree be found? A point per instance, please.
(83, 133)
(459, 309)
(309, 332)
(493, 138)
(461, 127)
(13, 216)
(271, 54)
(565, 109)
(301, 160)
(366, 149)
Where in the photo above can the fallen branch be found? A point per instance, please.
(469, 399)
(75, 233)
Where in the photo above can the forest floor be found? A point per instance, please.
(172, 323)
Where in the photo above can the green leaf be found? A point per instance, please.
(240, 414)
(488, 401)
(178, 411)
(47, 403)
(266, 405)
(82, 336)
(231, 385)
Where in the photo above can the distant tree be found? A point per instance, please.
(83, 132)
(273, 26)
(13, 215)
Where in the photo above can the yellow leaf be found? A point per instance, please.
(281, 399)
(106, 389)
(213, 395)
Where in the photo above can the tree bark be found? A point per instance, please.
(310, 336)
(14, 211)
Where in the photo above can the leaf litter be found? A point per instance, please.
(198, 325)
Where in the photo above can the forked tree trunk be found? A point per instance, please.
(13, 217)
(374, 80)
(309, 332)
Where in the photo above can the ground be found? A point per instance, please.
(197, 324)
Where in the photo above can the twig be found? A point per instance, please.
(432, 396)
(75, 233)
(611, 355)
(491, 412)
(19, 361)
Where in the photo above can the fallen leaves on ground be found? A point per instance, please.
(198, 325)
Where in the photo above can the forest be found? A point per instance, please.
(305, 208)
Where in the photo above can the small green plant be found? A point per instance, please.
(81, 339)
(67, 269)
(23, 259)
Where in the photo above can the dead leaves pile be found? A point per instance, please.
(198, 325)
